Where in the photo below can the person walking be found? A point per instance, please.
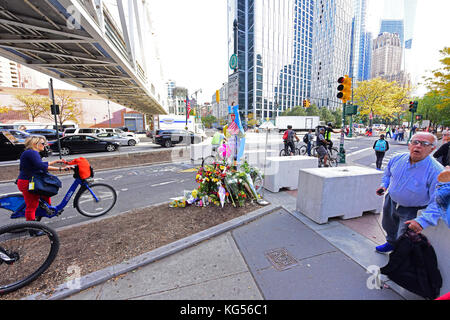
(30, 164)
(380, 146)
(322, 145)
(410, 180)
(217, 139)
(388, 132)
(308, 138)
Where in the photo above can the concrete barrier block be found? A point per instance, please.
(439, 238)
(344, 192)
(201, 151)
(282, 172)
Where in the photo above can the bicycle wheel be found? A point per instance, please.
(302, 150)
(208, 161)
(24, 257)
(333, 162)
(283, 153)
(89, 206)
(314, 152)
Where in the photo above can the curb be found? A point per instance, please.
(95, 278)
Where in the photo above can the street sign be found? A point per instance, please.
(233, 62)
(233, 89)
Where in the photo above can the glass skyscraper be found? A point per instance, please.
(274, 48)
(394, 26)
(331, 49)
(360, 43)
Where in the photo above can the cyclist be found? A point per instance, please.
(321, 146)
(218, 139)
(30, 163)
(327, 135)
(288, 138)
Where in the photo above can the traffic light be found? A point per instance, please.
(413, 106)
(418, 117)
(307, 103)
(345, 88)
(304, 103)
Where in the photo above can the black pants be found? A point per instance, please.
(380, 156)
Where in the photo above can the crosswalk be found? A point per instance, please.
(386, 159)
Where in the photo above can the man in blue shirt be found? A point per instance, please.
(411, 180)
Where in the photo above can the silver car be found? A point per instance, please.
(122, 140)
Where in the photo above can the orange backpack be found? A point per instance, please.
(84, 168)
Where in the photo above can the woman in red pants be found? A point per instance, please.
(31, 163)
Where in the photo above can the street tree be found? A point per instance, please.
(34, 105)
(69, 109)
(439, 81)
(313, 110)
(296, 111)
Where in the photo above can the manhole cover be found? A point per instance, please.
(281, 259)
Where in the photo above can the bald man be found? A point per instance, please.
(410, 180)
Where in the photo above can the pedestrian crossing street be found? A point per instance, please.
(386, 159)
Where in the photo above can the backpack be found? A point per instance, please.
(413, 265)
(285, 135)
(380, 146)
(306, 138)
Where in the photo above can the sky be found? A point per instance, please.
(193, 40)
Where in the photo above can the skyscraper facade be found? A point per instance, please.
(394, 26)
(360, 43)
(387, 55)
(274, 48)
(331, 49)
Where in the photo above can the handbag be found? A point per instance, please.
(44, 184)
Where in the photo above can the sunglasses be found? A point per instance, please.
(423, 143)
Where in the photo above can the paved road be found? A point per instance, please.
(136, 187)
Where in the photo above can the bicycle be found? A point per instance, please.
(297, 151)
(23, 255)
(332, 159)
(92, 200)
(216, 158)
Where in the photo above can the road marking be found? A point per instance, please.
(189, 170)
(359, 151)
(163, 183)
(117, 177)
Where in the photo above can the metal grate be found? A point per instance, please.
(281, 259)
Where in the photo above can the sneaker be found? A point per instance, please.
(384, 248)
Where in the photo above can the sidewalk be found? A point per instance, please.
(279, 255)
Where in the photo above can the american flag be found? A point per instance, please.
(188, 106)
(233, 128)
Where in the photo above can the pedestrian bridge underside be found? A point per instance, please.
(78, 42)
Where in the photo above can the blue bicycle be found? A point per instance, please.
(92, 200)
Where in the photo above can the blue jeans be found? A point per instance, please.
(308, 148)
(443, 199)
(394, 218)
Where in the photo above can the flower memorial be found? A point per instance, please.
(221, 183)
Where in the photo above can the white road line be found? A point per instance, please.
(359, 151)
(162, 183)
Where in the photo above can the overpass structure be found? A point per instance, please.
(83, 43)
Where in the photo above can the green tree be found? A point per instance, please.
(326, 115)
(313, 110)
(439, 81)
(208, 121)
(35, 105)
(297, 111)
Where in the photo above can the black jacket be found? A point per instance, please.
(443, 152)
(413, 265)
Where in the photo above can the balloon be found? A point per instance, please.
(225, 151)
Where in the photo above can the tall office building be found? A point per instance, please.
(386, 56)
(360, 43)
(331, 49)
(274, 48)
(394, 26)
(404, 10)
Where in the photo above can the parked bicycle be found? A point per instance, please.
(216, 157)
(92, 200)
(23, 255)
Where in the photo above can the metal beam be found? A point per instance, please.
(20, 40)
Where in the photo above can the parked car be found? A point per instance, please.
(168, 138)
(18, 134)
(88, 131)
(120, 139)
(50, 134)
(10, 147)
(82, 143)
